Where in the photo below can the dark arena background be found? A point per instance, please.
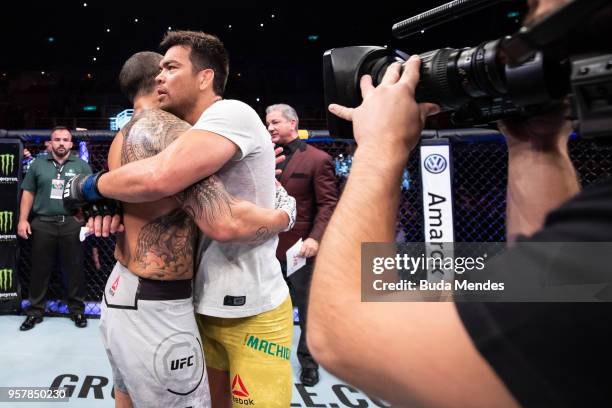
(59, 66)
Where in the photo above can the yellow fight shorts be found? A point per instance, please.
(255, 350)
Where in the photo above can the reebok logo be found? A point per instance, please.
(113, 287)
(240, 394)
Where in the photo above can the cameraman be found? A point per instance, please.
(468, 354)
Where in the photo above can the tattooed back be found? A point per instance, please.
(159, 237)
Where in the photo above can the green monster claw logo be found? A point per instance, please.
(6, 221)
(8, 163)
(6, 279)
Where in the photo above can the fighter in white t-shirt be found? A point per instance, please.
(235, 279)
(242, 302)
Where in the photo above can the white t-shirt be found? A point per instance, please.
(239, 280)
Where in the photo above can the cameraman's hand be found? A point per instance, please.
(389, 117)
(540, 173)
(547, 133)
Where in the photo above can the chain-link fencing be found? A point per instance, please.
(479, 197)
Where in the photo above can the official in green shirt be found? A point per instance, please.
(52, 229)
(45, 169)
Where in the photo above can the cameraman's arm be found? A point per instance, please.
(540, 174)
(397, 351)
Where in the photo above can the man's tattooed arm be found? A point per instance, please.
(226, 218)
(262, 235)
(150, 132)
(217, 213)
(207, 201)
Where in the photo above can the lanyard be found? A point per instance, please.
(59, 171)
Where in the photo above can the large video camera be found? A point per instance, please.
(523, 74)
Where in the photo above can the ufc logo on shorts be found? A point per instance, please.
(181, 363)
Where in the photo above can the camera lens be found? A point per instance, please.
(478, 71)
(438, 81)
(476, 84)
(378, 66)
(452, 77)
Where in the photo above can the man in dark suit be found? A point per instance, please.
(308, 175)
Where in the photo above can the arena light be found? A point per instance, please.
(121, 119)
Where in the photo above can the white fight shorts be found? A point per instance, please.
(152, 341)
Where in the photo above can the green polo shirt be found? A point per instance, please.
(38, 181)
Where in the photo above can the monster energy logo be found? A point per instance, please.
(6, 221)
(6, 279)
(8, 163)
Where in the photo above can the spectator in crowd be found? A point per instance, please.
(28, 158)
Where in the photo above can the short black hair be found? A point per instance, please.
(56, 128)
(207, 52)
(59, 128)
(138, 74)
